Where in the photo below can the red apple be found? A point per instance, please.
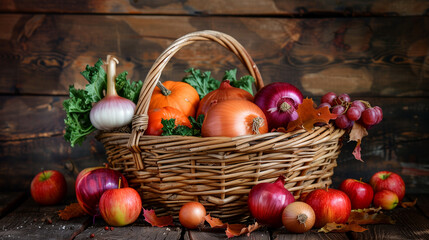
(360, 193)
(386, 199)
(120, 207)
(390, 181)
(48, 187)
(91, 183)
(329, 205)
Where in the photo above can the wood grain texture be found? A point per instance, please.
(224, 7)
(282, 234)
(29, 117)
(21, 160)
(212, 234)
(44, 54)
(422, 202)
(30, 221)
(138, 230)
(410, 224)
(9, 201)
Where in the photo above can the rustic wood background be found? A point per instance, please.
(374, 50)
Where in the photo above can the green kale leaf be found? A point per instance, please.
(202, 82)
(245, 82)
(169, 127)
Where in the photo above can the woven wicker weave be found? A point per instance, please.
(217, 171)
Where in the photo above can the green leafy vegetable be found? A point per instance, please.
(79, 105)
(96, 76)
(126, 89)
(197, 124)
(202, 82)
(245, 82)
(77, 120)
(169, 127)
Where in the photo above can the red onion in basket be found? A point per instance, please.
(267, 201)
(279, 102)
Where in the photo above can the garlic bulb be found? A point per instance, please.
(113, 111)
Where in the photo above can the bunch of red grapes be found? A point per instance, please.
(351, 111)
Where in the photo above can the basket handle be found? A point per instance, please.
(140, 119)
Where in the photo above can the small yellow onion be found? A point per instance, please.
(113, 111)
(298, 217)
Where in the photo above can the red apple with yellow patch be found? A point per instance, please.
(121, 206)
(386, 199)
(390, 181)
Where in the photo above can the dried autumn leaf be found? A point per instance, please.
(233, 230)
(215, 222)
(369, 216)
(252, 228)
(71, 211)
(308, 116)
(356, 134)
(335, 227)
(155, 221)
(409, 204)
(356, 151)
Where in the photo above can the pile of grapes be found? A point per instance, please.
(351, 111)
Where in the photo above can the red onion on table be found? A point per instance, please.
(91, 183)
(267, 201)
(279, 102)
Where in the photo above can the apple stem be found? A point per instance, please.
(326, 187)
(119, 184)
(360, 180)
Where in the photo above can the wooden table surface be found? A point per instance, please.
(22, 218)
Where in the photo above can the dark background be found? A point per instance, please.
(373, 50)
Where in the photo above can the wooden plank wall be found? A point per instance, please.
(373, 50)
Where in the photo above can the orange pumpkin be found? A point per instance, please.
(154, 126)
(179, 95)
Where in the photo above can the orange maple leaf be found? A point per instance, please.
(71, 211)
(155, 221)
(308, 116)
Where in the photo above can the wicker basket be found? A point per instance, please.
(216, 171)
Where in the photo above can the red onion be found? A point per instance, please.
(91, 183)
(279, 102)
(267, 201)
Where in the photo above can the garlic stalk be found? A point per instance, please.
(113, 111)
